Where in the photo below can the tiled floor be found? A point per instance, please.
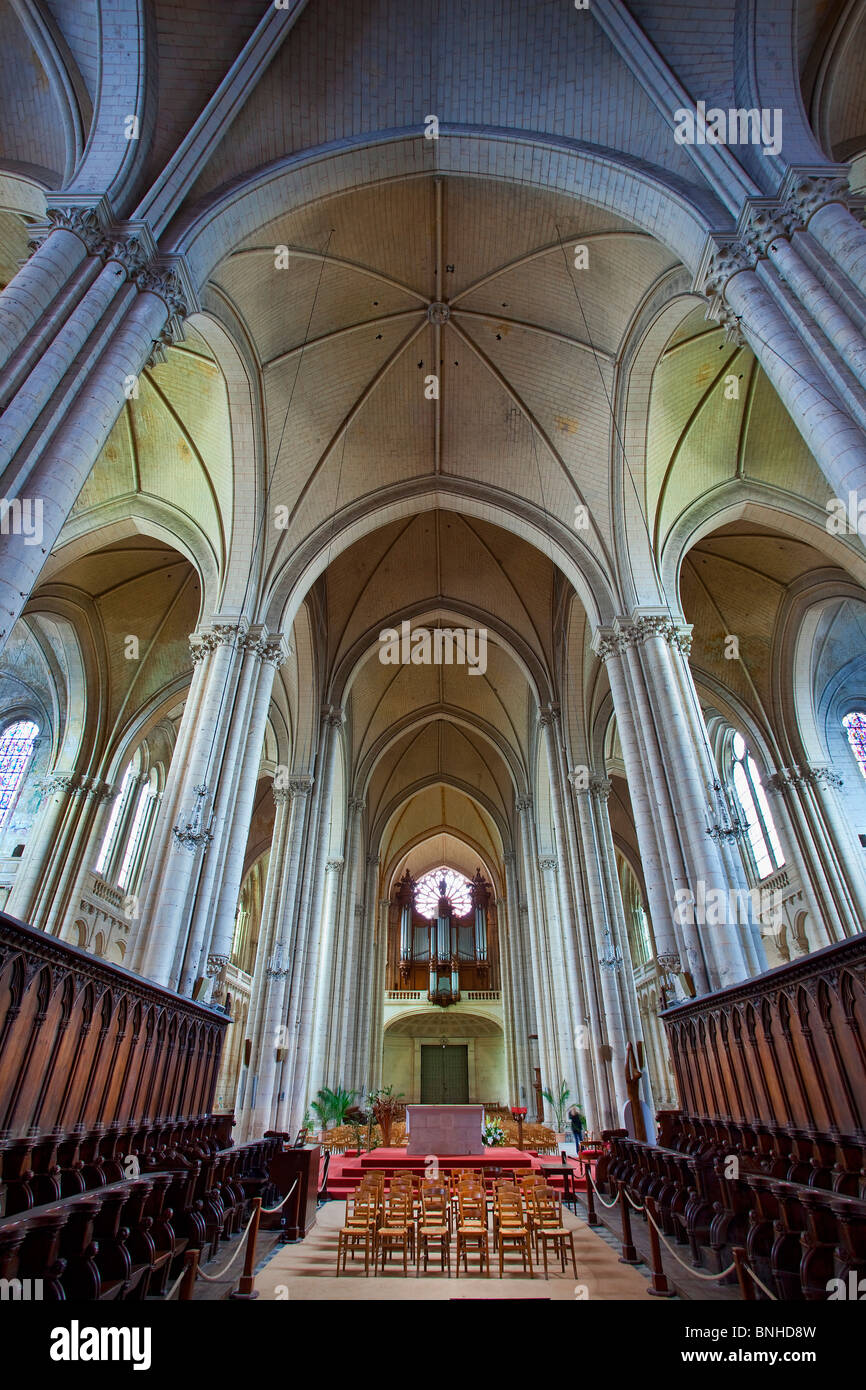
(306, 1271)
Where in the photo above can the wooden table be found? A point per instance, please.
(567, 1173)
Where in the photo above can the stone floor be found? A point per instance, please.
(306, 1271)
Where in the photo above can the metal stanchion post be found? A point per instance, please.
(247, 1285)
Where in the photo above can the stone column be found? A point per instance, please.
(366, 960)
(59, 415)
(588, 1041)
(53, 269)
(275, 958)
(328, 991)
(833, 867)
(803, 385)
(214, 924)
(59, 792)
(538, 954)
(304, 987)
(122, 828)
(518, 965)
(377, 997)
(604, 909)
(669, 785)
(207, 804)
(347, 983)
(82, 802)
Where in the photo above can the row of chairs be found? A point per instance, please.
(419, 1217)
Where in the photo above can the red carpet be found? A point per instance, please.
(346, 1171)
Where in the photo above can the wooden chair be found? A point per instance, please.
(434, 1228)
(512, 1231)
(397, 1231)
(472, 1228)
(549, 1228)
(359, 1230)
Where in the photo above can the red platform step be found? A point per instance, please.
(347, 1171)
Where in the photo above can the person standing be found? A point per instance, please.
(577, 1123)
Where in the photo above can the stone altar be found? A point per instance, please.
(444, 1129)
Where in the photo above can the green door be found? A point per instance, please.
(445, 1075)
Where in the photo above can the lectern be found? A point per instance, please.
(300, 1209)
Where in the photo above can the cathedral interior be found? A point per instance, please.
(432, 640)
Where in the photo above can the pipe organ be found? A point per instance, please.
(443, 950)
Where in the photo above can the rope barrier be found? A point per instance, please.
(757, 1281)
(220, 1278)
(698, 1274)
(176, 1285)
(270, 1210)
(610, 1205)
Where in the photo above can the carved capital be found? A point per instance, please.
(334, 716)
(523, 804)
(607, 642)
(765, 223)
(356, 805)
(333, 866)
(548, 863)
(809, 192)
(822, 777)
(85, 223)
(641, 629)
(726, 260)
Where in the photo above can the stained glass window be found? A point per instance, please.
(855, 728)
(16, 750)
(427, 893)
(763, 836)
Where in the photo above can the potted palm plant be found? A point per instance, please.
(331, 1105)
(558, 1103)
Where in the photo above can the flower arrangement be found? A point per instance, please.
(493, 1135)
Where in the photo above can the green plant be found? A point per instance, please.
(332, 1105)
(558, 1104)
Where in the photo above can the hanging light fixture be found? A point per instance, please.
(612, 959)
(278, 966)
(193, 834)
(726, 819)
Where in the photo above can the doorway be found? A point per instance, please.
(445, 1075)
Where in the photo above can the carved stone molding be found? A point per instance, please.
(334, 716)
(632, 632)
(788, 778)
(85, 223)
(294, 786)
(133, 249)
(822, 777)
(333, 866)
(357, 805)
(810, 191)
(71, 782)
(548, 862)
(523, 803)
(207, 639)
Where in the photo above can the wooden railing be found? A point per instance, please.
(787, 1047)
(86, 1043)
